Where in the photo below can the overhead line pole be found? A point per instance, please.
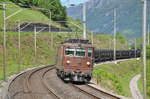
(135, 47)
(144, 47)
(35, 44)
(92, 37)
(4, 41)
(4, 30)
(148, 41)
(114, 35)
(84, 21)
(50, 16)
(19, 47)
(4, 35)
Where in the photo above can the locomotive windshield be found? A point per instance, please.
(80, 52)
(69, 51)
(89, 52)
(77, 52)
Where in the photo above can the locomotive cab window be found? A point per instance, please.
(89, 52)
(80, 52)
(69, 51)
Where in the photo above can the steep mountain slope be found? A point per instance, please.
(100, 16)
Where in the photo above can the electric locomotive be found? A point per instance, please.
(75, 60)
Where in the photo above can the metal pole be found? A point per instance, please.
(110, 42)
(84, 21)
(135, 48)
(50, 16)
(51, 36)
(19, 47)
(114, 35)
(148, 41)
(92, 39)
(35, 43)
(127, 45)
(144, 47)
(4, 41)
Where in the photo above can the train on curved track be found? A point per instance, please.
(76, 58)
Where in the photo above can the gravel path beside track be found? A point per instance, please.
(134, 87)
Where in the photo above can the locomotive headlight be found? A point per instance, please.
(88, 63)
(68, 62)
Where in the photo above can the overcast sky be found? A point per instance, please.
(65, 2)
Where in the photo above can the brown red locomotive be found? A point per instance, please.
(75, 60)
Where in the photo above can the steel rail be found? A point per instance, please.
(28, 79)
(50, 90)
(102, 91)
(11, 82)
(9, 95)
(85, 92)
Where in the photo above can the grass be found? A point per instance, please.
(105, 41)
(140, 85)
(45, 53)
(117, 77)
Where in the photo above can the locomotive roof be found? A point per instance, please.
(82, 41)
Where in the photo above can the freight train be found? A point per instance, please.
(76, 58)
(108, 55)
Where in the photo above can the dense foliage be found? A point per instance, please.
(58, 11)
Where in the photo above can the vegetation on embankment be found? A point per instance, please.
(116, 77)
(58, 11)
(26, 15)
(148, 71)
(45, 53)
(36, 16)
(105, 41)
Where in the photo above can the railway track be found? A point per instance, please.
(85, 92)
(105, 94)
(94, 92)
(43, 83)
(35, 85)
(23, 86)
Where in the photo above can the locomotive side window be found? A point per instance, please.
(69, 51)
(89, 52)
(80, 52)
